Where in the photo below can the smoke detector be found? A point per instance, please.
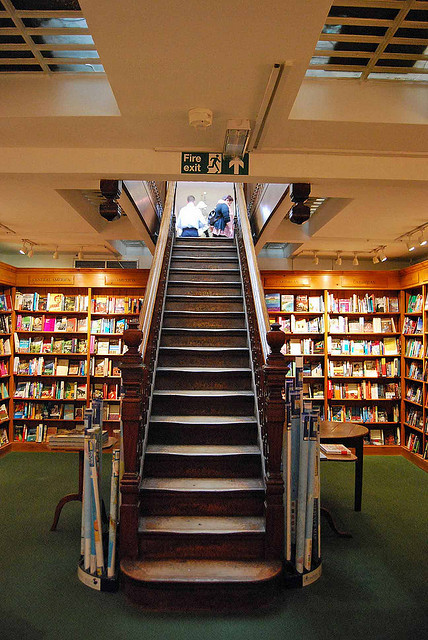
(200, 118)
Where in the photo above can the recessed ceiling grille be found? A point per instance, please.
(373, 40)
(45, 37)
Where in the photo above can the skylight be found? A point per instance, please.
(373, 40)
(45, 37)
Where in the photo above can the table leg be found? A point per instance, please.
(71, 497)
(358, 473)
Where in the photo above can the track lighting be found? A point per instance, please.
(316, 259)
(23, 249)
(375, 259)
(382, 256)
(339, 258)
(355, 260)
(422, 240)
(80, 254)
(410, 244)
(55, 254)
(30, 252)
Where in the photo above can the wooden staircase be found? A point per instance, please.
(201, 533)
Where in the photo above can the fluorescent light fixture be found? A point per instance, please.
(410, 244)
(55, 254)
(382, 256)
(236, 139)
(339, 258)
(355, 260)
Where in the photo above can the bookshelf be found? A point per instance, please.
(6, 354)
(60, 332)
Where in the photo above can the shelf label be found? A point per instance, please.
(50, 279)
(124, 280)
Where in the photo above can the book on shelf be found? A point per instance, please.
(335, 449)
(30, 433)
(50, 302)
(5, 302)
(287, 302)
(5, 325)
(4, 371)
(5, 346)
(414, 303)
(4, 415)
(368, 303)
(376, 436)
(72, 438)
(302, 303)
(116, 304)
(4, 438)
(273, 301)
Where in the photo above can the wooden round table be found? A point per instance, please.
(351, 435)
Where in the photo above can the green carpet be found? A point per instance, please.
(373, 586)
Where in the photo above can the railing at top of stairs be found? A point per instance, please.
(269, 367)
(137, 367)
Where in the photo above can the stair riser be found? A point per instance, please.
(204, 275)
(203, 359)
(197, 339)
(175, 405)
(205, 263)
(204, 305)
(207, 546)
(221, 466)
(162, 503)
(204, 242)
(202, 381)
(199, 289)
(204, 252)
(199, 321)
(227, 434)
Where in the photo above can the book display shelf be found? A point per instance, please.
(66, 340)
(6, 324)
(365, 337)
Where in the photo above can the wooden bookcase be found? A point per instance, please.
(57, 398)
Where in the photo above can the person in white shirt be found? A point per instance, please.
(190, 220)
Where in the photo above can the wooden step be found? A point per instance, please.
(212, 289)
(228, 538)
(189, 337)
(206, 402)
(220, 241)
(196, 262)
(206, 250)
(204, 430)
(204, 319)
(186, 302)
(201, 585)
(204, 275)
(223, 357)
(203, 378)
(213, 461)
(202, 496)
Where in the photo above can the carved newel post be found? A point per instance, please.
(132, 379)
(274, 375)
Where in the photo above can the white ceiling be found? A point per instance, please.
(366, 143)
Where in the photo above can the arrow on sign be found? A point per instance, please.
(236, 163)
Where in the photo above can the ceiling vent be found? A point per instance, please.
(106, 264)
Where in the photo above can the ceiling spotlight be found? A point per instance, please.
(316, 259)
(339, 258)
(422, 240)
(80, 254)
(410, 244)
(382, 256)
(30, 252)
(355, 260)
(375, 259)
(55, 254)
(23, 249)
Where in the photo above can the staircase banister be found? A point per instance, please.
(150, 296)
(254, 274)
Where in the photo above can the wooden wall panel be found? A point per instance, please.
(81, 278)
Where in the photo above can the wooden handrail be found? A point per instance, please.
(137, 366)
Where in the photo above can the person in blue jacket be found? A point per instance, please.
(223, 222)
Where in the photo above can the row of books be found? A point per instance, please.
(414, 349)
(414, 443)
(115, 304)
(109, 325)
(415, 371)
(49, 367)
(387, 346)
(105, 391)
(70, 438)
(50, 302)
(49, 344)
(4, 371)
(367, 414)
(364, 390)
(410, 325)
(414, 303)
(29, 410)
(5, 302)
(343, 324)
(296, 347)
(302, 325)
(414, 393)
(310, 369)
(313, 390)
(31, 433)
(58, 390)
(414, 417)
(52, 323)
(4, 347)
(4, 438)
(5, 324)
(380, 367)
(369, 303)
(4, 392)
(105, 346)
(387, 435)
(294, 303)
(104, 367)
